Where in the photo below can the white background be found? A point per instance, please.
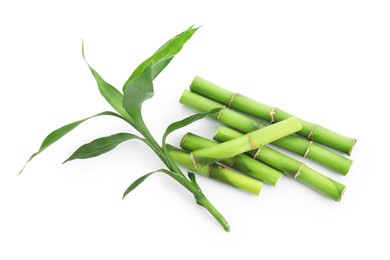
(326, 61)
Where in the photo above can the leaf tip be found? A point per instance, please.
(21, 171)
(24, 166)
(82, 48)
(196, 28)
(125, 194)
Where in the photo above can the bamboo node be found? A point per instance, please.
(272, 114)
(308, 148)
(252, 143)
(183, 140)
(234, 161)
(192, 157)
(299, 171)
(257, 152)
(353, 145)
(311, 131)
(261, 125)
(231, 99)
(220, 112)
(209, 170)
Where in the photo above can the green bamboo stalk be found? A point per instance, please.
(247, 124)
(242, 162)
(216, 172)
(289, 166)
(245, 143)
(252, 107)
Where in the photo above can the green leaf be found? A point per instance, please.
(101, 145)
(141, 179)
(186, 121)
(161, 58)
(60, 132)
(192, 178)
(111, 94)
(137, 92)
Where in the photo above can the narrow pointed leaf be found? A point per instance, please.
(141, 179)
(60, 132)
(110, 93)
(101, 145)
(186, 121)
(162, 57)
(192, 178)
(137, 92)
(158, 67)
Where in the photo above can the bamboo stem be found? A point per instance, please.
(216, 172)
(245, 143)
(242, 162)
(289, 166)
(247, 105)
(247, 124)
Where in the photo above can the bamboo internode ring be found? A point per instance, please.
(257, 152)
(252, 143)
(308, 148)
(299, 171)
(311, 131)
(272, 114)
(234, 161)
(209, 170)
(192, 157)
(183, 139)
(219, 113)
(231, 99)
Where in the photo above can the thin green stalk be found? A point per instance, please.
(217, 172)
(241, 162)
(289, 166)
(198, 194)
(248, 142)
(252, 107)
(247, 124)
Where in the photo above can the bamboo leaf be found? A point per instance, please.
(141, 179)
(110, 93)
(162, 57)
(60, 132)
(137, 92)
(101, 145)
(186, 121)
(192, 178)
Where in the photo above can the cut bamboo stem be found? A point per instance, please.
(216, 171)
(289, 166)
(242, 162)
(247, 124)
(313, 132)
(245, 143)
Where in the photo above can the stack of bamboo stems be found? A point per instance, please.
(245, 119)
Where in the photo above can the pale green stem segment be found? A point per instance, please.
(241, 162)
(247, 124)
(252, 107)
(289, 166)
(216, 171)
(248, 142)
